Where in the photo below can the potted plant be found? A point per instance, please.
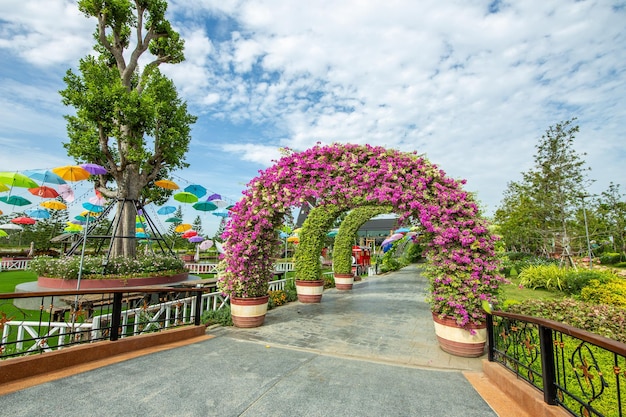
(342, 250)
(309, 281)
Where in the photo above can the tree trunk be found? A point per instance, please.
(124, 242)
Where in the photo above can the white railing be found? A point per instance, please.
(279, 284)
(14, 264)
(284, 267)
(61, 329)
(201, 268)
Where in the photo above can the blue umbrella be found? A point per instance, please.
(402, 230)
(94, 208)
(45, 176)
(166, 210)
(195, 189)
(220, 213)
(142, 235)
(38, 213)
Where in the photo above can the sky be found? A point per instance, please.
(471, 85)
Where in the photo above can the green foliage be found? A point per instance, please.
(389, 261)
(611, 258)
(329, 281)
(413, 253)
(611, 293)
(221, 317)
(605, 320)
(550, 277)
(308, 251)
(342, 250)
(576, 280)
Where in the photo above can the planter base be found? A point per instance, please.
(310, 291)
(459, 341)
(248, 312)
(344, 281)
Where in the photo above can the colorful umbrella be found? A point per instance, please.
(142, 235)
(38, 213)
(332, 233)
(220, 203)
(294, 239)
(195, 239)
(174, 220)
(97, 200)
(94, 169)
(167, 184)
(53, 205)
(205, 206)
(182, 227)
(189, 233)
(219, 247)
(15, 200)
(214, 197)
(72, 172)
(3, 233)
(15, 179)
(23, 220)
(0, 211)
(185, 197)
(45, 176)
(93, 208)
(44, 192)
(195, 189)
(66, 191)
(3, 188)
(220, 213)
(166, 210)
(206, 244)
(9, 226)
(402, 230)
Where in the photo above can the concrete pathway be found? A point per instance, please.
(371, 351)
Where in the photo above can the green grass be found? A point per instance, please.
(512, 292)
(9, 279)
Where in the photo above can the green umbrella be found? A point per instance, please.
(185, 197)
(174, 220)
(15, 200)
(15, 179)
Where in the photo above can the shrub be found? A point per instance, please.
(605, 320)
(290, 290)
(612, 292)
(575, 281)
(611, 258)
(329, 281)
(543, 276)
(277, 298)
(221, 317)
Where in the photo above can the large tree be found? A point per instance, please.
(128, 118)
(545, 201)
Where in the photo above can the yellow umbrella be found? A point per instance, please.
(72, 172)
(182, 227)
(167, 184)
(3, 187)
(294, 239)
(53, 205)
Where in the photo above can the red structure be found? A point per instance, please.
(362, 259)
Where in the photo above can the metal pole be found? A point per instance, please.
(82, 252)
(587, 232)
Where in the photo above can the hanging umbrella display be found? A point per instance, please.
(293, 239)
(166, 210)
(167, 184)
(402, 230)
(73, 228)
(93, 208)
(182, 227)
(53, 205)
(195, 189)
(38, 213)
(94, 169)
(220, 213)
(66, 191)
(174, 220)
(81, 218)
(214, 197)
(142, 235)
(220, 203)
(189, 233)
(14, 179)
(185, 197)
(195, 239)
(206, 244)
(23, 220)
(205, 206)
(3, 233)
(219, 247)
(72, 173)
(44, 192)
(97, 200)
(3, 188)
(15, 200)
(45, 176)
(10, 226)
(332, 233)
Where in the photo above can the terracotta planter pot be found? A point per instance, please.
(310, 291)
(248, 312)
(344, 281)
(460, 341)
(85, 284)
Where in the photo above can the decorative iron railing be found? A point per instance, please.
(577, 370)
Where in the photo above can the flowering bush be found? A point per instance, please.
(463, 267)
(119, 267)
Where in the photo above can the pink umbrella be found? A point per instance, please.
(66, 191)
(206, 244)
(97, 200)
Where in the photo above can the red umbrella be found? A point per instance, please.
(44, 192)
(189, 233)
(23, 220)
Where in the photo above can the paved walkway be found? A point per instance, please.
(371, 351)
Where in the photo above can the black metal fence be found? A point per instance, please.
(38, 322)
(577, 370)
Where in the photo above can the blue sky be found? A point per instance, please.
(472, 85)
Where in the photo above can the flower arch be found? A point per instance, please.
(464, 270)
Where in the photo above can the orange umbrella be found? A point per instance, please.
(167, 184)
(53, 205)
(182, 228)
(72, 172)
(44, 192)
